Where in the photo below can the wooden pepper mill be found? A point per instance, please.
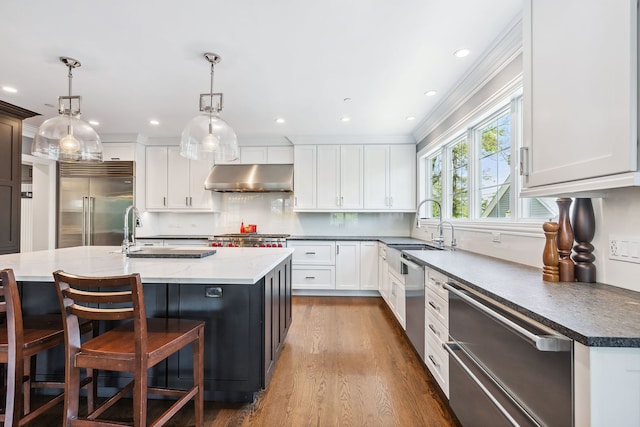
(564, 240)
(550, 257)
(584, 228)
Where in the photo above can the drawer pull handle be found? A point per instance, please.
(434, 330)
(435, 307)
(309, 253)
(310, 277)
(213, 292)
(436, 364)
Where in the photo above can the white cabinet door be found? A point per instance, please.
(369, 265)
(580, 82)
(328, 177)
(156, 177)
(199, 198)
(118, 151)
(280, 155)
(304, 177)
(347, 265)
(402, 177)
(376, 182)
(383, 273)
(253, 155)
(351, 177)
(178, 179)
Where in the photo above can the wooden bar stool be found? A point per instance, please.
(133, 346)
(21, 339)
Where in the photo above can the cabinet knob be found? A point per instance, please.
(213, 292)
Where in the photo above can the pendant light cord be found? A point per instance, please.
(211, 101)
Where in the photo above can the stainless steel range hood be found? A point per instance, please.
(253, 178)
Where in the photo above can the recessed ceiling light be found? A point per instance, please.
(9, 89)
(154, 122)
(279, 120)
(410, 118)
(94, 123)
(347, 99)
(430, 92)
(461, 53)
(345, 119)
(50, 105)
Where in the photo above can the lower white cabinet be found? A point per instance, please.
(397, 298)
(340, 265)
(383, 273)
(436, 329)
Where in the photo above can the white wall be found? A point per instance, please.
(273, 213)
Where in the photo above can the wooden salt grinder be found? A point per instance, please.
(550, 257)
(564, 240)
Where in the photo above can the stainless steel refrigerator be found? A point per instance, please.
(92, 199)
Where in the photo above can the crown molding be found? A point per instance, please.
(506, 47)
(350, 139)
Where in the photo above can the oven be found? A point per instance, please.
(505, 369)
(243, 240)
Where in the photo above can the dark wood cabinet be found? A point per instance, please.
(244, 333)
(10, 175)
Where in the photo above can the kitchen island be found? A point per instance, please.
(243, 295)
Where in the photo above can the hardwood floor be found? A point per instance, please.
(345, 363)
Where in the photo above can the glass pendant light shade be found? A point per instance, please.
(68, 139)
(207, 136)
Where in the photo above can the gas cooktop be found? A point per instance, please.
(253, 235)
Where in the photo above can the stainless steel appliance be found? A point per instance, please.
(91, 201)
(414, 303)
(237, 240)
(505, 369)
(253, 178)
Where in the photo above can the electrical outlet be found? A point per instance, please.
(496, 237)
(622, 248)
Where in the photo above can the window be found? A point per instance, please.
(494, 184)
(472, 175)
(459, 178)
(435, 181)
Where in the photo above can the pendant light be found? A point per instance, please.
(66, 137)
(207, 136)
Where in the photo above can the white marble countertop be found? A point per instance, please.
(226, 266)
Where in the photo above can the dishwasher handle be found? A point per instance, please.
(412, 265)
(450, 347)
(541, 342)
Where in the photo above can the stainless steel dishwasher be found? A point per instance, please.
(505, 369)
(414, 299)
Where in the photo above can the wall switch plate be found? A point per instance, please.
(623, 248)
(496, 237)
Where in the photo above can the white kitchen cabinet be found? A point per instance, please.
(176, 183)
(339, 177)
(347, 265)
(313, 264)
(280, 155)
(390, 177)
(383, 273)
(580, 96)
(436, 329)
(399, 307)
(253, 155)
(369, 265)
(304, 177)
(118, 151)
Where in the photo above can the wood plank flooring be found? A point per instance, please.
(345, 363)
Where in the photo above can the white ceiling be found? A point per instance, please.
(295, 59)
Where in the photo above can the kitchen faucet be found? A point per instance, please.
(453, 238)
(126, 244)
(440, 238)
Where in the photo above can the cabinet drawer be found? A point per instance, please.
(434, 327)
(437, 360)
(313, 253)
(437, 307)
(435, 281)
(313, 278)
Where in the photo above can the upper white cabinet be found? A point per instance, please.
(304, 177)
(118, 151)
(580, 96)
(174, 182)
(390, 177)
(340, 177)
(251, 155)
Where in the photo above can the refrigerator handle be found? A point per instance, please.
(89, 223)
(84, 221)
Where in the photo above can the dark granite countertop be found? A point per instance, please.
(388, 240)
(594, 314)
